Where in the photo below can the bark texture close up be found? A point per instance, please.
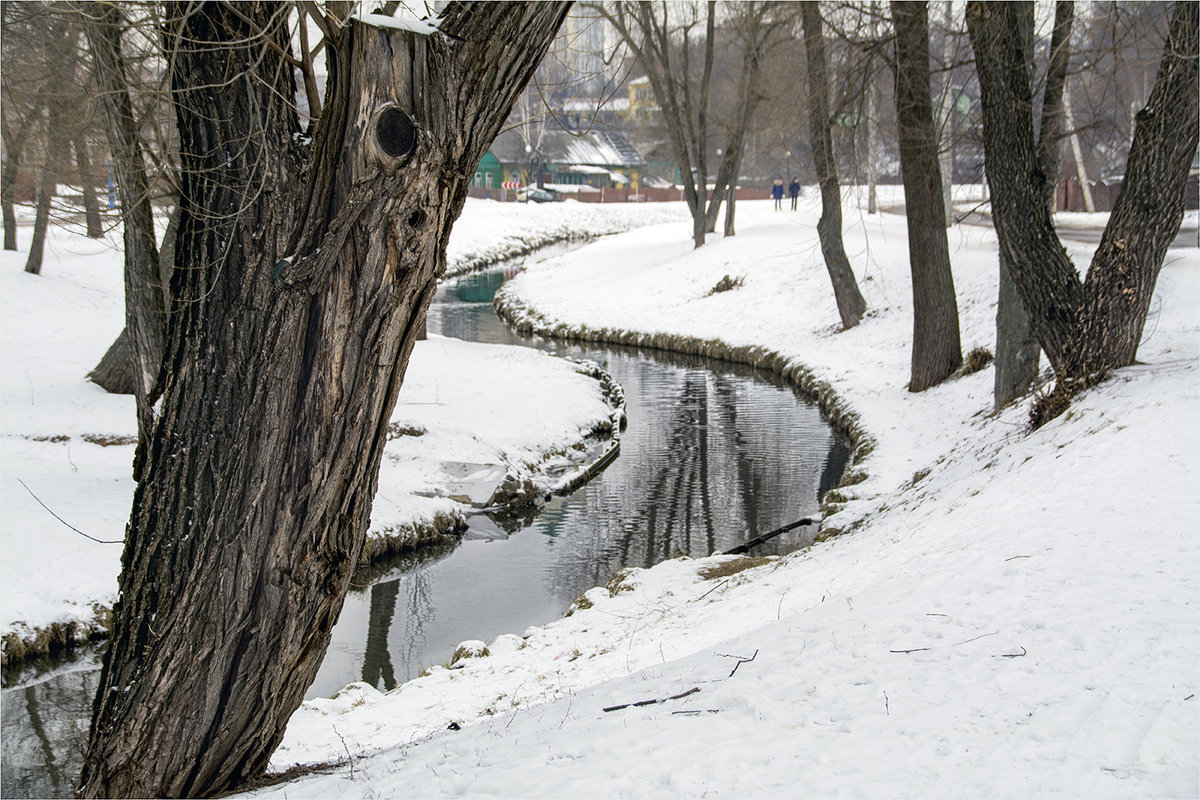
(301, 273)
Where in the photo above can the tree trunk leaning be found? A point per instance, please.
(936, 349)
(292, 330)
(45, 191)
(850, 303)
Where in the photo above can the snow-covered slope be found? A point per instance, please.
(1009, 614)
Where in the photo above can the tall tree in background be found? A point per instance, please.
(936, 349)
(303, 269)
(756, 27)
(138, 351)
(850, 303)
(663, 37)
(1089, 327)
(1017, 351)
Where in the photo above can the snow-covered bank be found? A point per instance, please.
(1013, 614)
(489, 231)
(471, 419)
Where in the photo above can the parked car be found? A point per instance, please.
(537, 195)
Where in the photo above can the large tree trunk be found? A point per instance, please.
(850, 303)
(1086, 328)
(294, 319)
(936, 351)
(1017, 351)
(145, 309)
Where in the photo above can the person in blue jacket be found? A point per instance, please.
(777, 193)
(794, 192)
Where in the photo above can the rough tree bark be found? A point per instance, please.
(301, 272)
(145, 307)
(1087, 328)
(936, 350)
(1018, 354)
(850, 303)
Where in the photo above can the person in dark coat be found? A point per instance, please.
(777, 193)
(794, 192)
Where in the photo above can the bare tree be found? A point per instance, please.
(666, 42)
(145, 306)
(851, 305)
(301, 272)
(936, 349)
(756, 27)
(1089, 327)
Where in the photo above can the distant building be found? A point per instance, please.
(642, 103)
(566, 160)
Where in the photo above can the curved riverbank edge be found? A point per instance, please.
(519, 248)
(526, 320)
(519, 495)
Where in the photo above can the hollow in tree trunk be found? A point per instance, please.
(936, 348)
(293, 322)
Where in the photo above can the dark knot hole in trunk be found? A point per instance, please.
(395, 132)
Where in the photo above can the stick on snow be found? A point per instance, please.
(742, 548)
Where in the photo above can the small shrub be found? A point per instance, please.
(472, 649)
(396, 430)
(1048, 405)
(614, 584)
(580, 603)
(732, 567)
(976, 360)
(104, 440)
(726, 284)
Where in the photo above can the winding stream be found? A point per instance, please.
(714, 454)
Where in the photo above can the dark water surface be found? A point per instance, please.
(714, 454)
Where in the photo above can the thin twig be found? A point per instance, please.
(914, 650)
(693, 690)
(64, 522)
(1015, 655)
(980, 636)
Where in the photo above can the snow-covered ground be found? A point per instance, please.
(487, 412)
(1008, 613)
